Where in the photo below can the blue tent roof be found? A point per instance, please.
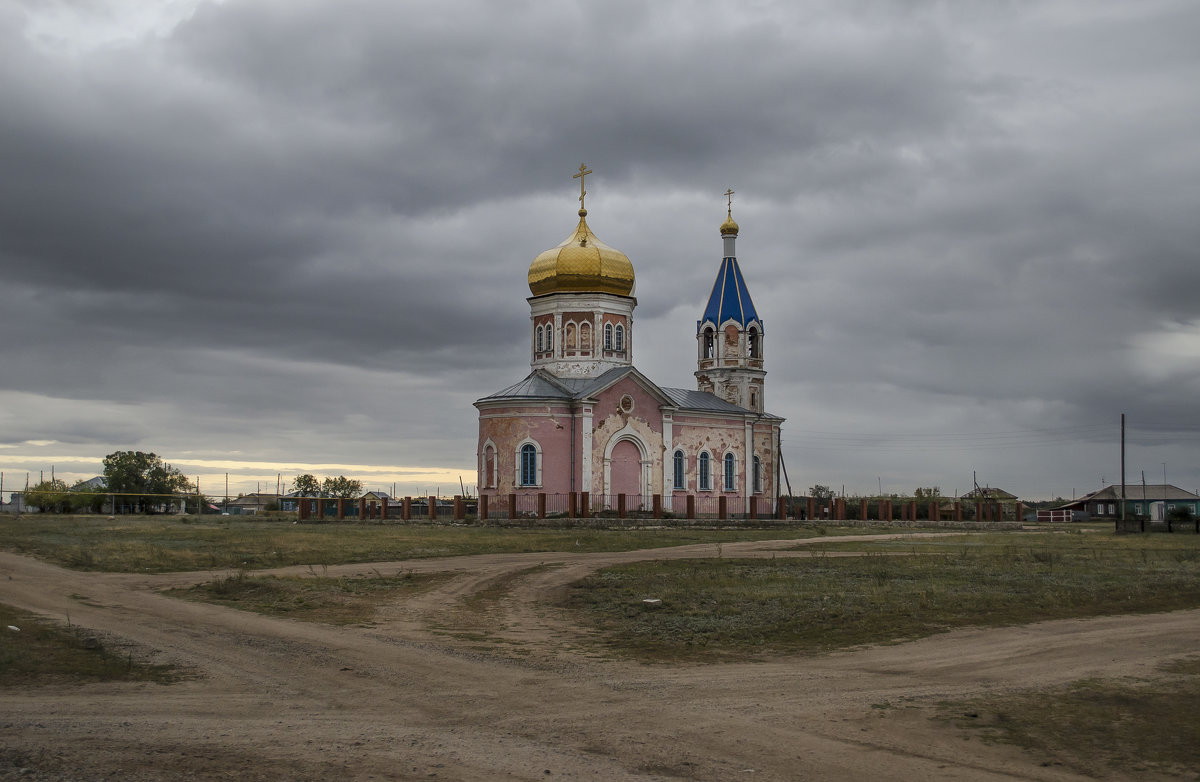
(729, 298)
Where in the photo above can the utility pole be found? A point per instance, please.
(1164, 492)
(1122, 467)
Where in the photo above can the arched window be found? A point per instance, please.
(529, 465)
(757, 474)
(755, 343)
(708, 343)
(549, 338)
(489, 467)
(570, 337)
(585, 336)
(680, 461)
(539, 339)
(619, 338)
(705, 475)
(608, 336)
(730, 473)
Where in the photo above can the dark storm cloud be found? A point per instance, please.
(286, 223)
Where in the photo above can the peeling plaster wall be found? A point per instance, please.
(645, 420)
(764, 446)
(717, 435)
(549, 425)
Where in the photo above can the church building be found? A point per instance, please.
(586, 420)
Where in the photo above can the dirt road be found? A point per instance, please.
(437, 688)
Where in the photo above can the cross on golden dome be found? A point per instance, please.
(581, 263)
(583, 171)
(729, 207)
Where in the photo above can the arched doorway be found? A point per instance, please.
(626, 466)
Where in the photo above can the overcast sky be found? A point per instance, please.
(266, 237)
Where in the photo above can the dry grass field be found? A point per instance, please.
(1045, 654)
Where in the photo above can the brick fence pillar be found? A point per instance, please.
(722, 507)
(460, 509)
(691, 506)
(512, 506)
(621, 506)
(541, 508)
(585, 504)
(811, 508)
(753, 507)
(321, 508)
(862, 509)
(573, 505)
(483, 507)
(657, 505)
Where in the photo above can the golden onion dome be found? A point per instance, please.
(582, 263)
(729, 227)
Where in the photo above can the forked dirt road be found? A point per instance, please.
(483, 678)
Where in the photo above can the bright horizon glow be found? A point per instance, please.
(246, 476)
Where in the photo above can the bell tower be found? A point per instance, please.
(729, 336)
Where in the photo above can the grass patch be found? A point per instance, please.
(46, 653)
(159, 544)
(1098, 725)
(717, 608)
(336, 601)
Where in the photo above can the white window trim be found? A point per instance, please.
(608, 336)
(619, 338)
(537, 448)
(679, 485)
(726, 484)
(703, 456)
